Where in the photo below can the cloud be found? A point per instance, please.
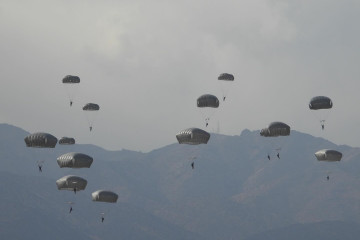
(145, 63)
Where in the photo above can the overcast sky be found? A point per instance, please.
(146, 62)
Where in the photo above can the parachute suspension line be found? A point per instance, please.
(276, 131)
(325, 116)
(207, 105)
(321, 115)
(91, 117)
(207, 116)
(279, 144)
(321, 106)
(71, 91)
(192, 153)
(224, 90)
(225, 79)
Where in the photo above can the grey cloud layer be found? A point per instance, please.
(145, 63)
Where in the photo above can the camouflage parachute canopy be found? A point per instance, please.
(71, 79)
(71, 182)
(328, 155)
(226, 77)
(66, 141)
(208, 100)
(74, 160)
(91, 107)
(40, 140)
(276, 129)
(320, 102)
(193, 136)
(104, 196)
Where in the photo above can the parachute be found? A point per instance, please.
(40, 140)
(328, 155)
(91, 110)
(207, 104)
(66, 141)
(91, 107)
(104, 196)
(193, 136)
(71, 182)
(74, 160)
(275, 129)
(321, 103)
(71, 84)
(225, 78)
(208, 100)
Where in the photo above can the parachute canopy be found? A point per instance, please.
(74, 160)
(208, 100)
(71, 182)
(193, 136)
(66, 141)
(104, 196)
(226, 77)
(328, 155)
(41, 140)
(69, 79)
(91, 107)
(320, 102)
(276, 129)
(91, 110)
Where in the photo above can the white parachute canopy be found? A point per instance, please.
(104, 196)
(328, 155)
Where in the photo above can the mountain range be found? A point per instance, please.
(234, 192)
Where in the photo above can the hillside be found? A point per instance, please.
(233, 192)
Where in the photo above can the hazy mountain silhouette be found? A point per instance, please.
(334, 230)
(234, 192)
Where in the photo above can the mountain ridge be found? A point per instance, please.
(233, 192)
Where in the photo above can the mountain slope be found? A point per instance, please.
(233, 192)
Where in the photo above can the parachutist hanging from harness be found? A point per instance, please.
(40, 165)
(274, 130)
(90, 110)
(322, 122)
(321, 104)
(70, 210)
(225, 78)
(328, 155)
(207, 104)
(102, 219)
(71, 84)
(192, 165)
(207, 121)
